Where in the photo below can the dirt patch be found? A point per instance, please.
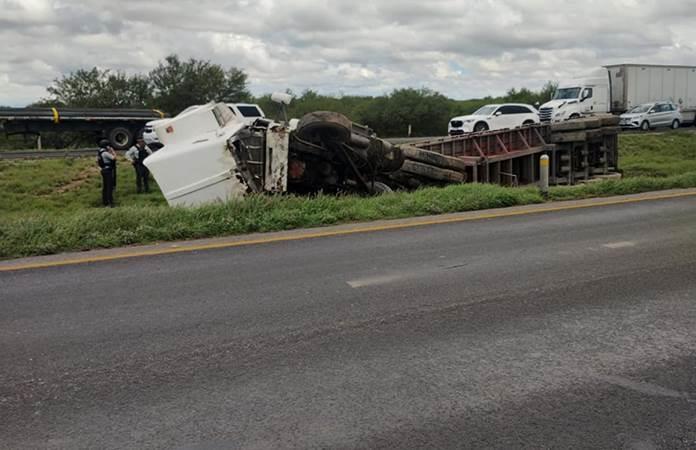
(81, 178)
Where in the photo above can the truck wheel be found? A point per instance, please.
(574, 116)
(481, 126)
(379, 188)
(526, 123)
(675, 124)
(325, 125)
(121, 138)
(645, 126)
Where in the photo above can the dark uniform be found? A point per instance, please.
(137, 155)
(106, 159)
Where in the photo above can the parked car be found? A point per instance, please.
(652, 115)
(494, 117)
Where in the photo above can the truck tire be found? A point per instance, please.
(645, 126)
(432, 172)
(379, 188)
(675, 124)
(526, 123)
(432, 158)
(325, 125)
(121, 138)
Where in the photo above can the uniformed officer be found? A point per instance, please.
(106, 159)
(136, 155)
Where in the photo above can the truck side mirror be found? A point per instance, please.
(281, 98)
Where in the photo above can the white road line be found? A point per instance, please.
(646, 388)
(374, 281)
(618, 245)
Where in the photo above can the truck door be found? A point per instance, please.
(586, 99)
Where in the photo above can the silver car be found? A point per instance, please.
(652, 115)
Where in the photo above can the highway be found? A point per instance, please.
(565, 329)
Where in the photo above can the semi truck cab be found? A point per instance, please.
(576, 98)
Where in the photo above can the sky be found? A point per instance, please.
(461, 48)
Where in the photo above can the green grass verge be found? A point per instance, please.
(63, 187)
(658, 155)
(35, 220)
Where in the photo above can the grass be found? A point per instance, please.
(59, 187)
(658, 155)
(45, 210)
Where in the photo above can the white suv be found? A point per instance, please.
(652, 115)
(494, 117)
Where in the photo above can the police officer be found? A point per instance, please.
(106, 159)
(136, 155)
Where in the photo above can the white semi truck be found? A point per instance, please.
(619, 88)
(212, 153)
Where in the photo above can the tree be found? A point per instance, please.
(425, 110)
(99, 88)
(179, 84)
(547, 91)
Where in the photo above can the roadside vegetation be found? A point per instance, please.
(49, 206)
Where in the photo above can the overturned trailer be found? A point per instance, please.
(579, 151)
(209, 155)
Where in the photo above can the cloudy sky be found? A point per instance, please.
(462, 48)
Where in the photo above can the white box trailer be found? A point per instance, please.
(618, 88)
(634, 84)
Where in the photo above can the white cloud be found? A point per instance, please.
(462, 48)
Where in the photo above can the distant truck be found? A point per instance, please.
(619, 88)
(119, 126)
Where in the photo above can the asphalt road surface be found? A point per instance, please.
(573, 329)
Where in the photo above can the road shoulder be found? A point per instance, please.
(93, 256)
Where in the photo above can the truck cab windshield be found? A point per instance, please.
(567, 94)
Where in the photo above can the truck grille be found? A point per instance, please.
(545, 114)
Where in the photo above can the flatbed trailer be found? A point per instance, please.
(119, 126)
(579, 151)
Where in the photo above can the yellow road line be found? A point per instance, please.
(330, 233)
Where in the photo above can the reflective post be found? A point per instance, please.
(544, 176)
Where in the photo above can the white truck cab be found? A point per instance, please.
(245, 113)
(205, 158)
(578, 97)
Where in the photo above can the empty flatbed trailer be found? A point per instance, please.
(119, 126)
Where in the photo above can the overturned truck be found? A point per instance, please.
(210, 155)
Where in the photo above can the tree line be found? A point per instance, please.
(176, 84)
